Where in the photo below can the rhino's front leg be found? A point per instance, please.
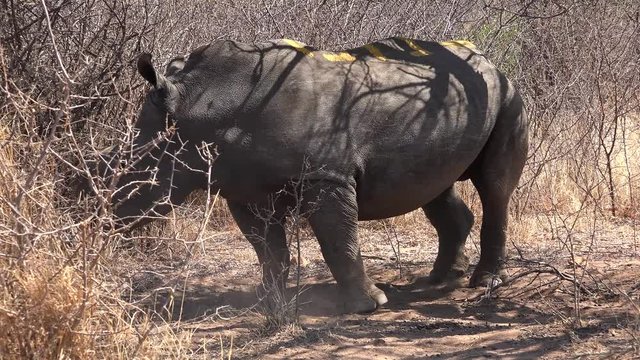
(333, 217)
(267, 235)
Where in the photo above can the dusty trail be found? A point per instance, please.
(530, 319)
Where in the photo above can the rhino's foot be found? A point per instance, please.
(450, 272)
(364, 302)
(442, 277)
(484, 276)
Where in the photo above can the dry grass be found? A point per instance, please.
(60, 294)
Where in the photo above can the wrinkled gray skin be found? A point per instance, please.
(374, 138)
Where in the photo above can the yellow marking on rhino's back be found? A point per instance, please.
(341, 56)
(344, 56)
(463, 43)
(327, 55)
(299, 47)
(417, 49)
(373, 50)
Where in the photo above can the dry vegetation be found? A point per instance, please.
(72, 288)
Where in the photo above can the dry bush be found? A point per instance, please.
(581, 88)
(57, 300)
(69, 89)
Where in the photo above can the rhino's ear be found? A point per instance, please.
(145, 68)
(174, 66)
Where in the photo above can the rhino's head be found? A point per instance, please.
(156, 169)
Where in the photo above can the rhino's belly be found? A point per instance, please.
(391, 190)
(399, 201)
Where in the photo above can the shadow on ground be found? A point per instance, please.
(419, 321)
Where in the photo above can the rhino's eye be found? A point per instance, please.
(158, 98)
(155, 99)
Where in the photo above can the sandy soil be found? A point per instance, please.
(532, 317)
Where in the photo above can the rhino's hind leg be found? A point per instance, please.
(268, 237)
(334, 219)
(453, 220)
(495, 178)
(492, 238)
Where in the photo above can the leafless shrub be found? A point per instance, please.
(69, 90)
(280, 309)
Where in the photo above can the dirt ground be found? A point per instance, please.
(533, 316)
